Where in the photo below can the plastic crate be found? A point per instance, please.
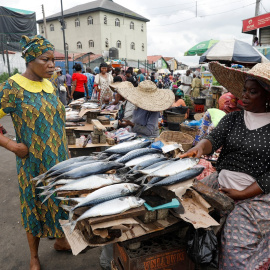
(199, 108)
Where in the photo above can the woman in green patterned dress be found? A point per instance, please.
(39, 121)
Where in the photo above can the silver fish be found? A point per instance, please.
(91, 169)
(70, 167)
(154, 167)
(141, 159)
(175, 167)
(104, 194)
(111, 207)
(136, 153)
(125, 147)
(147, 163)
(86, 183)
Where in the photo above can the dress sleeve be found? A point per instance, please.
(96, 79)
(218, 135)
(7, 99)
(264, 182)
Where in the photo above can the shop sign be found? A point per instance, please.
(256, 22)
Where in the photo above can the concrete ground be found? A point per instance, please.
(15, 253)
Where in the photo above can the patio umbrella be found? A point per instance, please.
(163, 71)
(233, 50)
(200, 48)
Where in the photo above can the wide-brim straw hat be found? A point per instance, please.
(114, 86)
(234, 80)
(147, 96)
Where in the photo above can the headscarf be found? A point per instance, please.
(179, 93)
(33, 47)
(228, 103)
(96, 70)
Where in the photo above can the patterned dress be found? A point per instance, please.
(39, 121)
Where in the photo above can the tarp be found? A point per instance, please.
(13, 25)
(233, 51)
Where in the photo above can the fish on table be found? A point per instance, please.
(112, 207)
(140, 159)
(125, 147)
(87, 183)
(103, 194)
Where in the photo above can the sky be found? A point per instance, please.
(175, 25)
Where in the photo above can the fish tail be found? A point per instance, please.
(49, 192)
(72, 226)
(141, 179)
(43, 187)
(146, 187)
(62, 198)
(70, 209)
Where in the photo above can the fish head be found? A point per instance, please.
(132, 187)
(135, 201)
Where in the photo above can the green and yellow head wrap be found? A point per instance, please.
(33, 47)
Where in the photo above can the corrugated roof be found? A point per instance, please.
(99, 5)
(84, 57)
(153, 58)
(168, 58)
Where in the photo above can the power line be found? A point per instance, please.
(263, 7)
(205, 15)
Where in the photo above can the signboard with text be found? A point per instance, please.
(256, 22)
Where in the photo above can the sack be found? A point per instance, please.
(62, 88)
(202, 247)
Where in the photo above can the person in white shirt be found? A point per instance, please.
(186, 81)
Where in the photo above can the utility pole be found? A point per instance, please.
(44, 21)
(9, 74)
(62, 22)
(257, 11)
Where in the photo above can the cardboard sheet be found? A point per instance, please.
(84, 111)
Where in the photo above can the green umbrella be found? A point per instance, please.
(201, 47)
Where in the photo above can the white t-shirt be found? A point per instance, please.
(186, 80)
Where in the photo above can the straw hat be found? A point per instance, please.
(114, 86)
(198, 116)
(147, 96)
(234, 80)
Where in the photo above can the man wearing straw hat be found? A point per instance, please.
(243, 168)
(149, 101)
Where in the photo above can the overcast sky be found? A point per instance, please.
(174, 26)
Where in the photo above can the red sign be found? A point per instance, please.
(256, 22)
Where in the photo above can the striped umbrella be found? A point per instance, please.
(200, 48)
(233, 50)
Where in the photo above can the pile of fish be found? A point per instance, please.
(112, 193)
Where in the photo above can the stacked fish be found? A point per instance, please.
(114, 193)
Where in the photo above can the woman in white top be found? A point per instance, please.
(243, 167)
(102, 82)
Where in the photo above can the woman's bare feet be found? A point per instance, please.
(34, 263)
(61, 244)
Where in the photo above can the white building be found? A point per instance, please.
(98, 26)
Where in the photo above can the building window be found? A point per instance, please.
(79, 45)
(105, 19)
(51, 27)
(90, 20)
(117, 22)
(91, 43)
(132, 46)
(77, 23)
(118, 44)
(106, 43)
(132, 25)
(143, 47)
(42, 29)
(142, 28)
(66, 46)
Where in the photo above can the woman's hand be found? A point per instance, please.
(195, 152)
(19, 149)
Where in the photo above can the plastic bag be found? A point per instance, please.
(157, 145)
(202, 247)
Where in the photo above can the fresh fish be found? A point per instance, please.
(138, 160)
(70, 167)
(74, 200)
(111, 207)
(154, 167)
(147, 163)
(125, 147)
(103, 194)
(86, 183)
(174, 167)
(173, 179)
(87, 170)
(136, 153)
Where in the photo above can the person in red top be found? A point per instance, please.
(79, 83)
